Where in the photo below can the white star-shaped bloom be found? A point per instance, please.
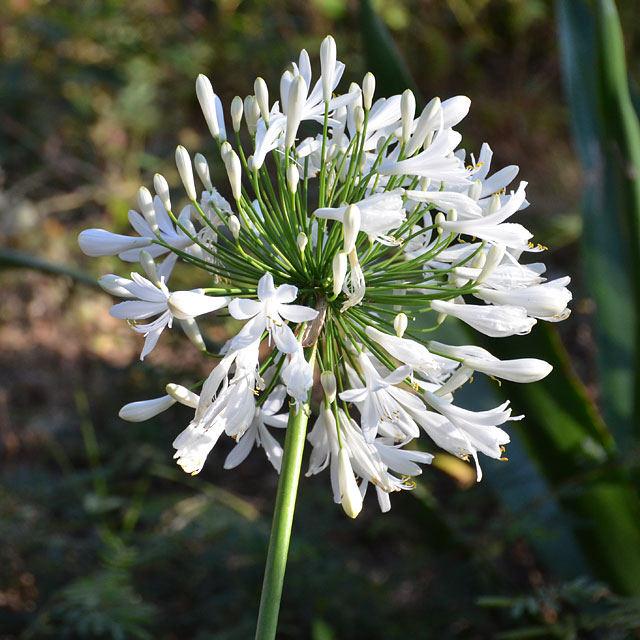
(267, 313)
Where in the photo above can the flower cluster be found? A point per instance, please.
(342, 251)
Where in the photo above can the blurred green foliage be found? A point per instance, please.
(102, 536)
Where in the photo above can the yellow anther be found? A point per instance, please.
(131, 322)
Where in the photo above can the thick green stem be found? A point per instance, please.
(283, 520)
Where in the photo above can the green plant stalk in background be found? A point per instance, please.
(283, 519)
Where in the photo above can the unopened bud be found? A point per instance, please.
(262, 98)
(438, 220)
(358, 118)
(210, 107)
(475, 190)
(234, 226)
(407, 112)
(202, 169)
(293, 176)
(494, 204)
(327, 66)
(225, 150)
(452, 215)
(145, 202)
(351, 227)
(183, 395)
(368, 89)
(295, 103)
(427, 121)
(161, 187)
(237, 109)
(234, 171)
(339, 267)
(478, 260)
(329, 385)
(149, 266)
(251, 113)
(350, 496)
(493, 259)
(145, 409)
(400, 324)
(183, 162)
(302, 240)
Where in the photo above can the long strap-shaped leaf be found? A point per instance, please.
(607, 138)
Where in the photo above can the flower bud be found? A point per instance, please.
(493, 259)
(234, 171)
(452, 215)
(236, 113)
(183, 162)
(327, 66)
(295, 103)
(407, 112)
(494, 204)
(351, 228)
(161, 187)
(234, 226)
(225, 149)
(191, 330)
(115, 285)
(262, 98)
(190, 304)
(329, 385)
(293, 176)
(145, 202)
(211, 107)
(251, 113)
(339, 272)
(368, 89)
(427, 121)
(302, 240)
(145, 409)
(149, 266)
(183, 395)
(475, 190)
(438, 220)
(400, 323)
(202, 169)
(350, 496)
(358, 118)
(98, 242)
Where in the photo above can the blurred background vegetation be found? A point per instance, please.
(104, 537)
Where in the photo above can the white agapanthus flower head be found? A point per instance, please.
(340, 253)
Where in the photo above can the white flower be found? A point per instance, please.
(379, 214)
(98, 242)
(224, 405)
(145, 409)
(298, 377)
(382, 404)
(350, 496)
(435, 162)
(478, 359)
(155, 299)
(493, 321)
(412, 353)
(257, 434)
(267, 313)
(547, 301)
(464, 432)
